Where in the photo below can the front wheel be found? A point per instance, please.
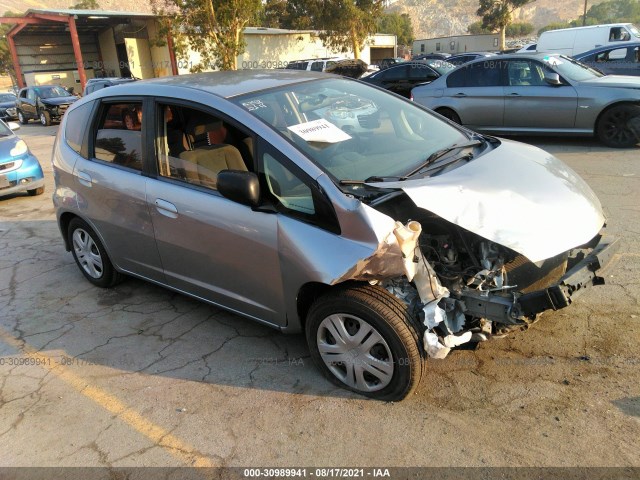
(22, 119)
(362, 338)
(619, 127)
(45, 118)
(90, 255)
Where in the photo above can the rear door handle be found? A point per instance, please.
(514, 94)
(84, 179)
(167, 209)
(460, 95)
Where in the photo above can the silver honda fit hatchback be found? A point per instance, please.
(310, 202)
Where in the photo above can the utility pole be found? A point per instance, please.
(584, 17)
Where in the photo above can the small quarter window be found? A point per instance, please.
(77, 120)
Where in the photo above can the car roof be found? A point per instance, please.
(224, 84)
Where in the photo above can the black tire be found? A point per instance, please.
(22, 119)
(450, 115)
(87, 250)
(36, 191)
(617, 128)
(45, 118)
(372, 312)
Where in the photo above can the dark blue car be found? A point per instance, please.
(621, 59)
(20, 171)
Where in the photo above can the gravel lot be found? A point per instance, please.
(141, 376)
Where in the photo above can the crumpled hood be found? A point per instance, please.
(59, 100)
(516, 195)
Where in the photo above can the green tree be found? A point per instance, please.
(213, 28)
(496, 15)
(476, 28)
(519, 30)
(274, 14)
(397, 24)
(86, 5)
(6, 62)
(346, 24)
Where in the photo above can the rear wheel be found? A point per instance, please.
(619, 127)
(362, 339)
(22, 119)
(450, 115)
(90, 255)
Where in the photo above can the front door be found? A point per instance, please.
(211, 247)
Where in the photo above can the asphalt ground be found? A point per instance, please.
(139, 376)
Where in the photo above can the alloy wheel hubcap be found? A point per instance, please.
(617, 128)
(87, 253)
(355, 352)
(43, 119)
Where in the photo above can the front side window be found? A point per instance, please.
(31, 95)
(195, 146)
(525, 73)
(118, 138)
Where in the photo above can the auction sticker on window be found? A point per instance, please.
(319, 131)
(553, 61)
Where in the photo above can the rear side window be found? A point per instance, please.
(118, 138)
(487, 73)
(77, 120)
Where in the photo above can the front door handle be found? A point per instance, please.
(167, 209)
(85, 179)
(460, 95)
(514, 94)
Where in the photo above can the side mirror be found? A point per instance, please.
(552, 78)
(14, 125)
(240, 186)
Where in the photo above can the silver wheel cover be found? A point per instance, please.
(87, 253)
(355, 352)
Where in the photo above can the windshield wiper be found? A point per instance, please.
(372, 179)
(441, 153)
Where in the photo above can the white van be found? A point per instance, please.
(572, 41)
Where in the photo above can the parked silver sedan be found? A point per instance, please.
(314, 203)
(538, 94)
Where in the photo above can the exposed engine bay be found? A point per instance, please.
(475, 288)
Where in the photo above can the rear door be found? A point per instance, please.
(111, 185)
(530, 102)
(475, 92)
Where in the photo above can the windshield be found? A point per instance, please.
(571, 69)
(51, 92)
(7, 97)
(634, 31)
(351, 130)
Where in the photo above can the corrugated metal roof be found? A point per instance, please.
(89, 13)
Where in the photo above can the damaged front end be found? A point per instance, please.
(467, 288)
(484, 249)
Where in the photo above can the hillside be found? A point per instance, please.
(140, 6)
(440, 18)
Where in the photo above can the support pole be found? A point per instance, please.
(172, 55)
(75, 41)
(16, 62)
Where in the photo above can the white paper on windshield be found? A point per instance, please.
(319, 131)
